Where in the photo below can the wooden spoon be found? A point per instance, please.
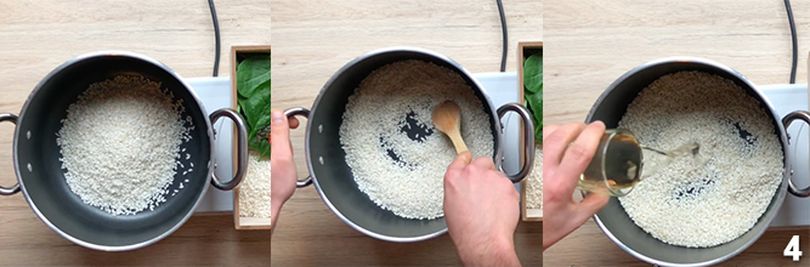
(447, 118)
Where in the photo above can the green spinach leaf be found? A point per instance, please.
(533, 91)
(253, 99)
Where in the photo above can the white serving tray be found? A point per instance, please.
(215, 93)
(501, 87)
(785, 98)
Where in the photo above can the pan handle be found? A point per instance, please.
(7, 191)
(789, 118)
(241, 148)
(528, 136)
(303, 112)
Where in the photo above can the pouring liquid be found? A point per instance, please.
(619, 163)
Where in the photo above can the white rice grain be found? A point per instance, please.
(703, 205)
(120, 143)
(254, 191)
(534, 197)
(375, 124)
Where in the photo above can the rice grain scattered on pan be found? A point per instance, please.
(534, 198)
(120, 144)
(396, 155)
(712, 203)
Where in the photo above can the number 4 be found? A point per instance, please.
(792, 249)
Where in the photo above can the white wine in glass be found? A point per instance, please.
(619, 163)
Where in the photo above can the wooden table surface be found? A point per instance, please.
(590, 43)
(315, 38)
(36, 36)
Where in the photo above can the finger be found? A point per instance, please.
(485, 163)
(293, 123)
(461, 161)
(280, 148)
(555, 144)
(580, 152)
(547, 130)
(456, 168)
(592, 203)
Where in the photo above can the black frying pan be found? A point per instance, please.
(36, 156)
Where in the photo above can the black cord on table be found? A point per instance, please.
(505, 36)
(793, 41)
(216, 36)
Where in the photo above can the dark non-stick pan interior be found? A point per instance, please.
(45, 183)
(610, 108)
(334, 178)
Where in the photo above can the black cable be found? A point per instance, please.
(505, 36)
(216, 36)
(793, 41)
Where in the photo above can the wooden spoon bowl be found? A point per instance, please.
(447, 118)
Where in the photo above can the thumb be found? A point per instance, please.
(280, 148)
(592, 203)
(461, 161)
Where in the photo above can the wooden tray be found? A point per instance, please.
(528, 215)
(240, 222)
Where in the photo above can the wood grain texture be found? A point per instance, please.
(36, 36)
(313, 39)
(204, 240)
(590, 43)
(767, 251)
(534, 214)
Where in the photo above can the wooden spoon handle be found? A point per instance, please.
(458, 142)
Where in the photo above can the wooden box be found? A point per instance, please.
(241, 222)
(524, 50)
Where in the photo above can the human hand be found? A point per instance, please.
(567, 151)
(481, 208)
(283, 174)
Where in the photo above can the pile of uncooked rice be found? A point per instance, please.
(120, 144)
(254, 191)
(720, 199)
(396, 155)
(534, 192)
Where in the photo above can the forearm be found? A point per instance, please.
(495, 253)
